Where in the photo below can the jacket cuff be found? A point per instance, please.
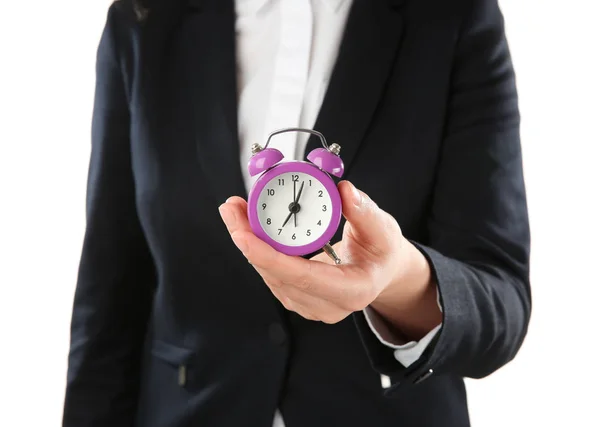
(405, 352)
(449, 280)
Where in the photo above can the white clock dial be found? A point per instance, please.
(288, 222)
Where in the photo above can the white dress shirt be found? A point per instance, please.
(285, 52)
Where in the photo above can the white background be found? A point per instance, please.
(47, 53)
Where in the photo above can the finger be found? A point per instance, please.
(311, 303)
(369, 226)
(234, 214)
(323, 257)
(310, 307)
(282, 268)
(238, 202)
(349, 295)
(348, 290)
(302, 273)
(290, 305)
(318, 278)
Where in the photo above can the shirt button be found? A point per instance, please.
(277, 333)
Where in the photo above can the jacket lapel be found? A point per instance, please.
(209, 27)
(366, 55)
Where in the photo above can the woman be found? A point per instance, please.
(175, 325)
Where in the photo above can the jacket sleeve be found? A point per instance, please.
(116, 275)
(478, 228)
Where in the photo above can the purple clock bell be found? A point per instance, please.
(295, 206)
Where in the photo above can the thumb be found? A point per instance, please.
(368, 225)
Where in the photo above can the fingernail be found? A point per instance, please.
(357, 198)
(227, 216)
(240, 242)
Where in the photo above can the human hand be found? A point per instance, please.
(380, 267)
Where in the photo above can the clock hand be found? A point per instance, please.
(297, 205)
(291, 210)
(299, 193)
(294, 206)
(293, 202)
(287, 219)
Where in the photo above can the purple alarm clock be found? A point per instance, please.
(295, 206)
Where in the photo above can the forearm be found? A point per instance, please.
(477, 235)
(116, 277)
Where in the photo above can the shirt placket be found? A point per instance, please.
(290, 74)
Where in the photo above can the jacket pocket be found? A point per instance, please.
(179, 358)
(166, 384)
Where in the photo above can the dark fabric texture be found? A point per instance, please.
(171, 326)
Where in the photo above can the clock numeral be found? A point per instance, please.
(308, 232)
(295, 178)
(324, 208)
(268, 221)
(281, 181)
(320, 193)
(310, 182)
(319, 223)
(279, 231)
(264, 206)
(270, 192)
(294, 236)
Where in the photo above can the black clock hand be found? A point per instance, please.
(294, 202)
(297, 205)
(291, 211)
(287, 219)
(299, 193)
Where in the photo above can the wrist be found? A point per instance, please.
(409, 301)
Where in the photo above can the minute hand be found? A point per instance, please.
(299, 193)
(296, 203)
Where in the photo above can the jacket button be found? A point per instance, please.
(423, 377)
(277, 333)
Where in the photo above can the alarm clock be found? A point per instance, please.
(295, 206)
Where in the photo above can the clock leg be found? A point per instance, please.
(331, 252)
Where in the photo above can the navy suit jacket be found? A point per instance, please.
(172, 327)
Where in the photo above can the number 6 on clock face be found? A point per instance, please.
(295, 206)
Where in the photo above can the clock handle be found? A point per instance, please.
(332, 147)
(327, 158)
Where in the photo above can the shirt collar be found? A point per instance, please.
(246, 7)
(333, 5)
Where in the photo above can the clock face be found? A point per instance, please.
(294, 208)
